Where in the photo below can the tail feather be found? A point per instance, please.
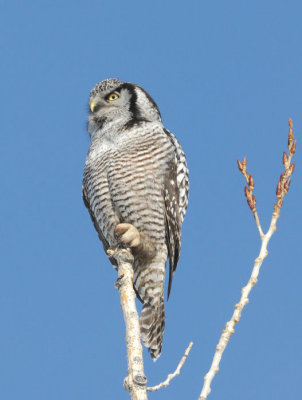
(152, 326)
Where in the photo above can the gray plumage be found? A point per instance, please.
(136, 173)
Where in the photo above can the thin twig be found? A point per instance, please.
(175, 373)
(135, 381)
(282, 189)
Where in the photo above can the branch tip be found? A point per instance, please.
(239, 165)
(175, 373)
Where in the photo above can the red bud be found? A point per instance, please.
(239, 165)
(293, 148)
(291, 168)
(251, 182)
(290, 132)
(279, 189)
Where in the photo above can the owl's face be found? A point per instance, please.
(122, 102)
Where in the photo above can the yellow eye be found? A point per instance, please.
(113, 96)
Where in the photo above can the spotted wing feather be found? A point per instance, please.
(182, 173)
(176, 202)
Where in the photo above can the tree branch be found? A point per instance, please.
(281, 191)
(135, 381)
(175, 373)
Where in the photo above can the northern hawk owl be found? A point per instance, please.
(135, 187)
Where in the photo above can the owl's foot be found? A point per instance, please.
(111, 250)
(127, 234)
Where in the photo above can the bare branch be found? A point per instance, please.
(282, 189)
(175, 373)
(135, 381)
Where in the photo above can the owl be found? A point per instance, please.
(135, 186)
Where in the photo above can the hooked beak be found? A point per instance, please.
(92, 105)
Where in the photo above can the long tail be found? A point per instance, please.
(152, 326)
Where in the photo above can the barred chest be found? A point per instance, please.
(135, 147)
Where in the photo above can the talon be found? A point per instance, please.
(127, 234)
(111, 251)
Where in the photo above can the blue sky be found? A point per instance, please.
(226, 76)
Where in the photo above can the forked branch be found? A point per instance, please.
(135, 381)
(281, 191)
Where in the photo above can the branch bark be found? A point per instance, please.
(135, 382)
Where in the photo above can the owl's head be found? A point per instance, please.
(124, 102)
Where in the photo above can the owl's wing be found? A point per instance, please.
(173, 222)
(182, 173)
(176, 202)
